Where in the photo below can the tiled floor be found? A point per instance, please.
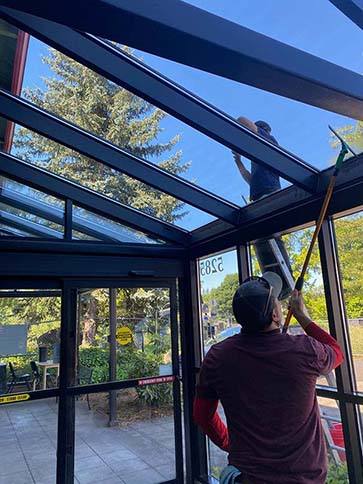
(140, 453)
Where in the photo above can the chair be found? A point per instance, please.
(84, 377)
(18, 380)
(36, 375)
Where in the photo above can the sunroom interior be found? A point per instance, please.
(118, 266)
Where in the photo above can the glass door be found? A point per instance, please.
(125, 382)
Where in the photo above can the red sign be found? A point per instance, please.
(158, 379)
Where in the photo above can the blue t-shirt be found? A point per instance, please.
(263, 180)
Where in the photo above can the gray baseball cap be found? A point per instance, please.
(254, 300)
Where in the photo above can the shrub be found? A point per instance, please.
(337, 474)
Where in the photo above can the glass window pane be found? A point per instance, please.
(142, 313)
(7, 231)
(96, 226)
(29, 212)
(334, 440)
(139, 448)
(131, 123)
(28, 441)
(30, 340)
(349, 237)
(25, 221)
(292, 249)
(218, 275)
(218, 281)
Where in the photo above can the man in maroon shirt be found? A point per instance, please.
(266, 381)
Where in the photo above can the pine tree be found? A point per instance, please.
(94, 103)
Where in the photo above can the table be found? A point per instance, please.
(44, 365)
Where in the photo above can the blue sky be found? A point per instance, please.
(315, 26)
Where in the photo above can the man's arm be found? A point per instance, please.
(242, 169)
(237, 157)
(312, 329)
(205, 415)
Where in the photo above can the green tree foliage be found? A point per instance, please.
(87, 99)
(349, 236)
(353, 134)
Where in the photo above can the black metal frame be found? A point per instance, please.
(352, 9)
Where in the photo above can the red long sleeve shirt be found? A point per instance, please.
(255, 377)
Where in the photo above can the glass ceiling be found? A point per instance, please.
(75, 93)
(131, 123)
(27, 212)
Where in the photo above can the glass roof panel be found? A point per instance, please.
(30, 223)
(299, 128)
(7, 231)
(132, 124)
(67, 163)
(95, 226)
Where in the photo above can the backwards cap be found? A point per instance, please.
(254, 300)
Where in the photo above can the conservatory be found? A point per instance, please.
(126, 227)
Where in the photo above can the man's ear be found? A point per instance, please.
(275, 316)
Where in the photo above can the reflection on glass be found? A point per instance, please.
(138, 449)
(334, 440)
(218, 281)
(99, 227)
(349, 237)
(7, 231)
(28, 441)
(111, 183)
(29, 341)
(30, 223)
(143, 334)
(23, 194)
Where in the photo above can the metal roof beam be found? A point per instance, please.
(55, 185)
(145, 82)
(352, 9)
(183, 33)
(291, 207)
(68, 134)
(54, 214)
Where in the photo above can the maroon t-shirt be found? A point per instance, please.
(266, 384)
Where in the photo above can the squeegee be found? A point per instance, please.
(345, 148)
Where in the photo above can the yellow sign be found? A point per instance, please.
(124, 335)
(15, 398)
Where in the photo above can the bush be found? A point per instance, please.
(337, 474)
(131, 363)
(156, 395)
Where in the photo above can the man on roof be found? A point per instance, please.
(262, 181)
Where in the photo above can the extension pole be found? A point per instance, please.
(300, 281)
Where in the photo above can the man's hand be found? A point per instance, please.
(241, 167)
(236, 156)
(298, 308)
